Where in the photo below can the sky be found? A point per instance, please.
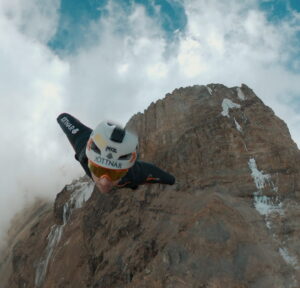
(109, 59)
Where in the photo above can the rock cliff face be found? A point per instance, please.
(231, 220)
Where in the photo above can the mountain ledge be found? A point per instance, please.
(231, 220)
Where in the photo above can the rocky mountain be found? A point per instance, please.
(231, 220)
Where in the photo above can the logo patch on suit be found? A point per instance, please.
(69, 125)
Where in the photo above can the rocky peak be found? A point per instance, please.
(231, 219)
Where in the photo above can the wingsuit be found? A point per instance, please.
(140, 173)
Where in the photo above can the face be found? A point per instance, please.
(104, 183)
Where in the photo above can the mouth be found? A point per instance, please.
(105, 188)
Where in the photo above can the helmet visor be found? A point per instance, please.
(99, 171)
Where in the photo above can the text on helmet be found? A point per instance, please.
(107, 162)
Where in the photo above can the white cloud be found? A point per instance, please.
(32, 87)
(129, 65)
(228, 42)
(249, 50)
(190, 59)
(35, 18)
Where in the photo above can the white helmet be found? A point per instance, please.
(110, 146)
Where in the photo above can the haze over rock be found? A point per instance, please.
(231, 220)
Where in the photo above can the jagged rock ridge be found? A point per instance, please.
(231, 220)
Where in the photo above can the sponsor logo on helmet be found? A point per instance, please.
(69, 125)
(111, 149)
(101, 143)
(109, 156)
(108, 162)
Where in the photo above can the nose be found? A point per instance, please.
(105, 184)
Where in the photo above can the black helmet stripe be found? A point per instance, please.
(95, 148)
(117, 135)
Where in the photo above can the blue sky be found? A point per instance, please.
(279, 9)
(76, 17)
(74, 32)
(110, 59)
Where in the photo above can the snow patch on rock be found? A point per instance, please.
(240, 94)
(268, 206)
(260, 178)
(228, 104)
(53, 239)
(291, 260)
(209, 90)
(238, 126)
(82, 191)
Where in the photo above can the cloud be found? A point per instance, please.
(234, 43)
(127, 62)
(32, 90)
(231, 42)
(35, 18)
(117, 76)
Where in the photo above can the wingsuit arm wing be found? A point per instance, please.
(154, 174)
(78, 135)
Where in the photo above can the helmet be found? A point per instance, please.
(112, 147)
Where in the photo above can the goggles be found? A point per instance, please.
(99, 171)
